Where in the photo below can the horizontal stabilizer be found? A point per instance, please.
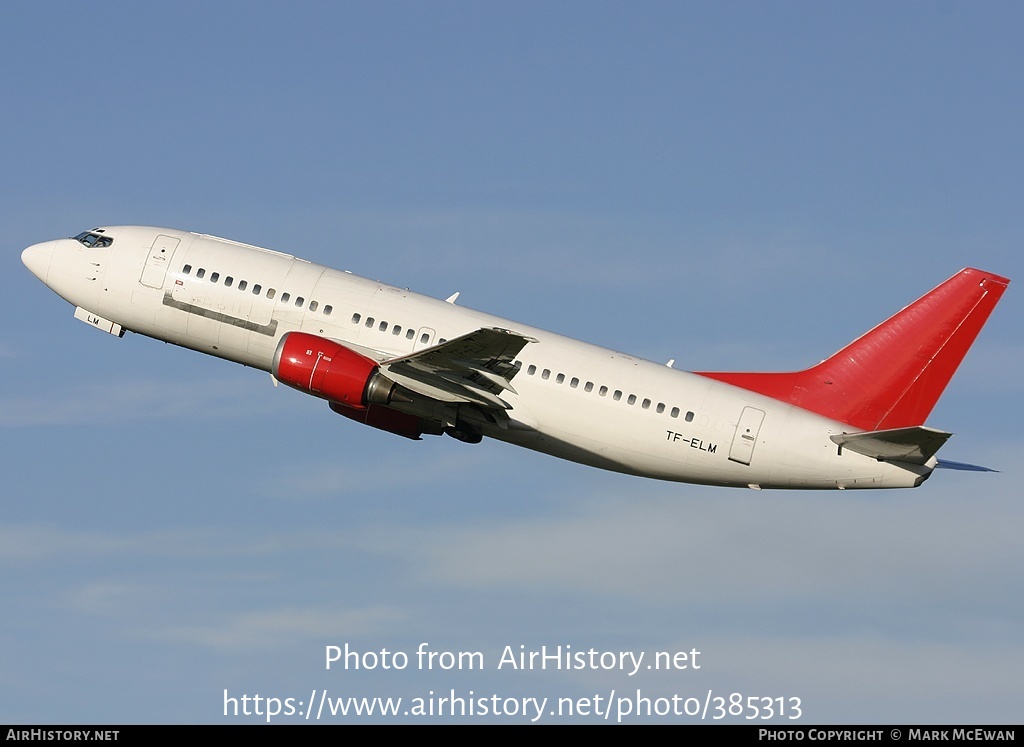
(944, 464)
(915, 445)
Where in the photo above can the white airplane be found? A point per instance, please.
(415, 365)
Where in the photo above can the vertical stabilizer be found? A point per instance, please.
(892, 376)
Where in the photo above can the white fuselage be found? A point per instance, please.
(571, 399)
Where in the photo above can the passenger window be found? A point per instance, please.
(675, 412)
(328, 310)
(424, 338)
(618, 395)
(369, 321)
(531, 370)
(285, 297)
(631, 400)
(603, 391)
(299, 300)
(689, 417)
(589, 386)
(574, 383)
(201, 273)
(271, 292)
(313, 305)
(383, 327)
(560, 378)
(243, 284)
(442, 341)
(187, 269)
(545, 374)
(646, 404)
(396, 330)
(256, 289)
(355, 318)
(214, 277)
(409, 334)
(661, 407)
(229, 281)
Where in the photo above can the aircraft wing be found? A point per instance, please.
(474, 368)
(915, 445)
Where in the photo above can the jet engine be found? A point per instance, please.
(352, 383)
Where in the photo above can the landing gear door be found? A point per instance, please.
(745, 439)
(158, 260)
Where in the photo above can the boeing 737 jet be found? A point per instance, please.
(413, 365)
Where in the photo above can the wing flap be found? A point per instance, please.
(475, 368)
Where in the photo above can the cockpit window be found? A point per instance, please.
(94, 239)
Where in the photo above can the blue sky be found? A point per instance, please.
(732, 185)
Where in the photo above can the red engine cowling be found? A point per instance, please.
(351, 383)
(388, 419)
(327, 369)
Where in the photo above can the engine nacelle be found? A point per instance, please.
(390, 420)
(350, 382)
(330, 370)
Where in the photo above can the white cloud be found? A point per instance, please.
(137, 399)
(881, 679)
(38, 542)
(728, 549)
(420, 471)
(260, 629)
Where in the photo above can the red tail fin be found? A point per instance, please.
(892, 376)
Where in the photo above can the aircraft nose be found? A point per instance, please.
(37, 259)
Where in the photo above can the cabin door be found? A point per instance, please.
(745, 439)
(158, 260)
